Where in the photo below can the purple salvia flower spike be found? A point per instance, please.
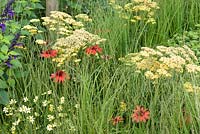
(3, 27)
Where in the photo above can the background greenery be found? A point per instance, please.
(98, 86)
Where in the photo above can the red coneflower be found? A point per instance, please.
(140, 114)
(93, 50)
(117, 119)
(49, 53)
(60, 76)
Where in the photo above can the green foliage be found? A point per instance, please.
(6, 78)
(8, 58)
(79, 6)
(3, 84)
(4, 98)
(190, 38)
(28, 8)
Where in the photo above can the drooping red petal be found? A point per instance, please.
(49, 53)
(60, 76)
(93, 50)
(117, 119)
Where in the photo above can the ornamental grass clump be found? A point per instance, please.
(83, 18)
(65, 36)
(136, 10)
(163, 61)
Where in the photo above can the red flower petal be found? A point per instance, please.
(140, 114)
(93, 50)
(49, 53)
(117, 119)
(59, 76)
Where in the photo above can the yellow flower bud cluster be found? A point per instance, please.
(31, 29)
(136, 10)
(41, 42)
(163, 61)
(123, 106)
(191, 88)
(68, 47)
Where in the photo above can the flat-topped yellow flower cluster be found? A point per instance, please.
(136, 10)
(33, 30)
(163, 61)
(60, 23)
(63, 23)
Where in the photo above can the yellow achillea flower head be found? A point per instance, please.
(163, 61)
(191, 88)
(41, 42)
(137, 10)
(188, 87)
